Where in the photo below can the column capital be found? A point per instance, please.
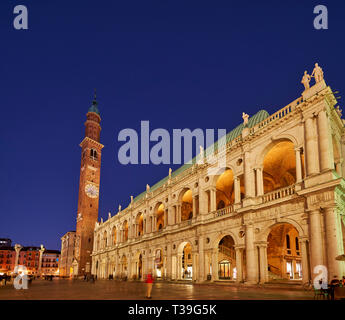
(303, 239)
(313, 211)
(262, 244)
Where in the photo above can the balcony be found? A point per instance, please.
(278, 194)
(224, 211)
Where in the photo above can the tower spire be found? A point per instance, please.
(94, 106)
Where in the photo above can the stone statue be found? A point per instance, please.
(119, 208)
(245, 118)
(147, 188)
(170, 171)
(131, 199)
(109, 215)
(317, 73)
(42, 248)
(306, 80)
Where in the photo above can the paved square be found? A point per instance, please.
(61, 289)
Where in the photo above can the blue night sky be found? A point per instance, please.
(178, 64)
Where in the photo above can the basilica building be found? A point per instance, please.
(274, 209)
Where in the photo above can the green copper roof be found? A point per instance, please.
(94, 107)
(254, 120)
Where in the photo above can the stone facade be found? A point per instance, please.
(283, 170)
(67, 254)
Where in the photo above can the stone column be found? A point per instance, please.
(298, 165)
(237, 187)
(179, 266)
(305, 265)
(194, 207)
(333, 237)
(201, 259)
(239, 259)
(165, 218)
(169, 261)
(248, 176)
(259, 182)
(250, 255)
(263, 262)
(195, 266)
(215, 264)
(324, 142)
(338, 167)
(154, 227)
(316, 248)
(312, 149)
(178, 208)
(17, 247)
(213, 193)
(343, 154)
(40, 260)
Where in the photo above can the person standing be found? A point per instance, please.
(149, 284)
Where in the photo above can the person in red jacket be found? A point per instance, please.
(149, 283)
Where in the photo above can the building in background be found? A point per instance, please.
(67, 254)
(7, 259)
(50, 262)
(5, 242)
(30, 257)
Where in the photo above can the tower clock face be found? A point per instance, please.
(91, 191)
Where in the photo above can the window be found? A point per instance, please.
(297, 244)
(93, 154)
(287, 241)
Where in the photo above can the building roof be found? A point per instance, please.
(51, 251)
(252, 121)
(94, 107)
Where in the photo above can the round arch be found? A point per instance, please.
(264, 234)
(261, 155)
(219, 237)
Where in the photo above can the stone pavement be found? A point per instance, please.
(63, 289)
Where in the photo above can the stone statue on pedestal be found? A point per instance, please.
(245, 118)
(317, 73)
(306, 80)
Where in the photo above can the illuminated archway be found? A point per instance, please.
(140, 224)
(159, 211)
(185, 263)
(284, 253)
(279, 166)
(113, 234)
(225, 189)
(227, 258)
(125, 230)
(186, 199)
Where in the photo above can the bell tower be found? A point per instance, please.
(89, 183)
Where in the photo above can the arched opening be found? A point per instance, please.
(114, 236)
(125, 231)
(159, 263)
(140, 224)
(124, 267)
(227, 258)
(160, 215)
(186, 261)
(105, 239)
(279, 166)
(225, 189)
(283, 253)
(186, 205)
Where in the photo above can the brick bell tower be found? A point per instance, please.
(88, 190)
